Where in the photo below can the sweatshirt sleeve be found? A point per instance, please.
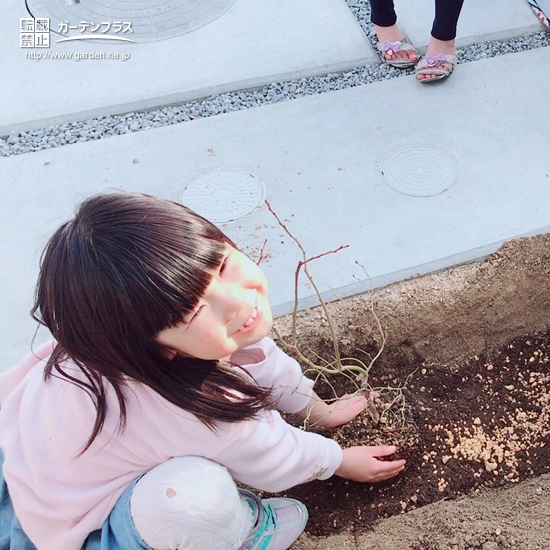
(270, 455)
(272, 367)
(264, 452)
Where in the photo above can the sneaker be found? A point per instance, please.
(278, 522)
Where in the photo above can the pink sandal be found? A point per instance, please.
(440, 65)
(389, 48)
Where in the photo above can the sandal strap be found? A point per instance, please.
(440, 64)
(404, 45)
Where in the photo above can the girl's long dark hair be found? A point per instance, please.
(125, 268)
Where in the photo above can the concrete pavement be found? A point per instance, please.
(413, 178)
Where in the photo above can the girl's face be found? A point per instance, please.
(233, 313)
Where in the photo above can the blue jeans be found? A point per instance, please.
(118, 531)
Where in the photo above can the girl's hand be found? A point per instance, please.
(362, 464)
(341, 411)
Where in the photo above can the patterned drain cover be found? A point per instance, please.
(224, 195)
(420, 171)
(150, 20)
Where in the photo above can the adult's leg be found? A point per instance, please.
(442, 39)
(382, 13)
(447, 13)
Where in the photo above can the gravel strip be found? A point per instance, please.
(18, 143)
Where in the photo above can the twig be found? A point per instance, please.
(262, 250)
(303, 264)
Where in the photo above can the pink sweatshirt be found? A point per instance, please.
(60, 497)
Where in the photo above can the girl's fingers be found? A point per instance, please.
(390, 469)
(384, 450)
(349, 400)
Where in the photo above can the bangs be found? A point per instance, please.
(165, 273)
(136, 263)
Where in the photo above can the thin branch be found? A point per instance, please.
(303, 264)
(262, 250)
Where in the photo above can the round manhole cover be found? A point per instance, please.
(420, 171)
(224, 195)
(148, 20)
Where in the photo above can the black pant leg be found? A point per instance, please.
(382, 13)
(447, 13)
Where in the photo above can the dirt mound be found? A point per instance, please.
(470, 347)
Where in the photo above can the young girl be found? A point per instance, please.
(160, 389)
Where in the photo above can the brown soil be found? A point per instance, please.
(463, 387)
